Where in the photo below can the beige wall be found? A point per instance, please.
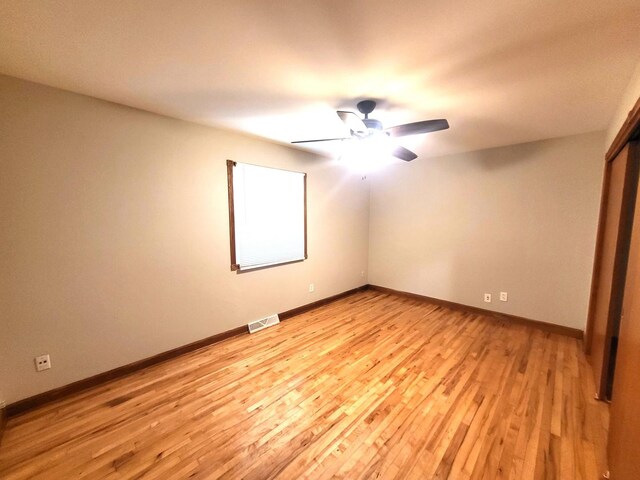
(520, 219)
(114, 235)
(628, 100)
(114, 232)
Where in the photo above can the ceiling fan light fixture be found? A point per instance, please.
(368, 154)
(369, 128)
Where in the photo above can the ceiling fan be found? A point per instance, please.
(369, 127)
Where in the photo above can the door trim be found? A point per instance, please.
(629, 131)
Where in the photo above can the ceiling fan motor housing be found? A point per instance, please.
(373, 124)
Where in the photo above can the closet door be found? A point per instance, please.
(611, 261)
(624, 429)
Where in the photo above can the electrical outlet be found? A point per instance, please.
(43, 362)
(487, 298)
(362, 274)
(312, 287)
(503, 296)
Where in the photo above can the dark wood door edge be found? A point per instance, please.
(3, 421)
(623, 244)
(29, 403)
(630, 130)
(548, 327)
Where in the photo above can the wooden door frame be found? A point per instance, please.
(629, 131)
(620, 260)
(624, 424)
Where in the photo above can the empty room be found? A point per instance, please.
(326, 239)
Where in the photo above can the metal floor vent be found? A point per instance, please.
(263, 323)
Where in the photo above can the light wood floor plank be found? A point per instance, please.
(371, 386)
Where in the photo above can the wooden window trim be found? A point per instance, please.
(235, 267)
(232, 220)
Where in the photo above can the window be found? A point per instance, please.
(267, 215)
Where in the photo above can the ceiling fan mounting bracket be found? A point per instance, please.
(366, 107)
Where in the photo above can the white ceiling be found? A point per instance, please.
(501, 71)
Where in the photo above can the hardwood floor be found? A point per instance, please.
(371, 386)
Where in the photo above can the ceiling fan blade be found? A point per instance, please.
(353, 121)
(403, 154)
(321, 140)
(418, 127)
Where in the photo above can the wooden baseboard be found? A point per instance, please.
(27, 404)
(30, 403)
(3, 421)
(548, 327)
(319, 303)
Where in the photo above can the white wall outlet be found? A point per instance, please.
(43, 362)
(362, 274)
(312, 288)
(503, 296)
(487, 298)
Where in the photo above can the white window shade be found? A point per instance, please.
(268, 220)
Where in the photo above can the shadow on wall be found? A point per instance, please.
(462, 139)
(493, 158)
